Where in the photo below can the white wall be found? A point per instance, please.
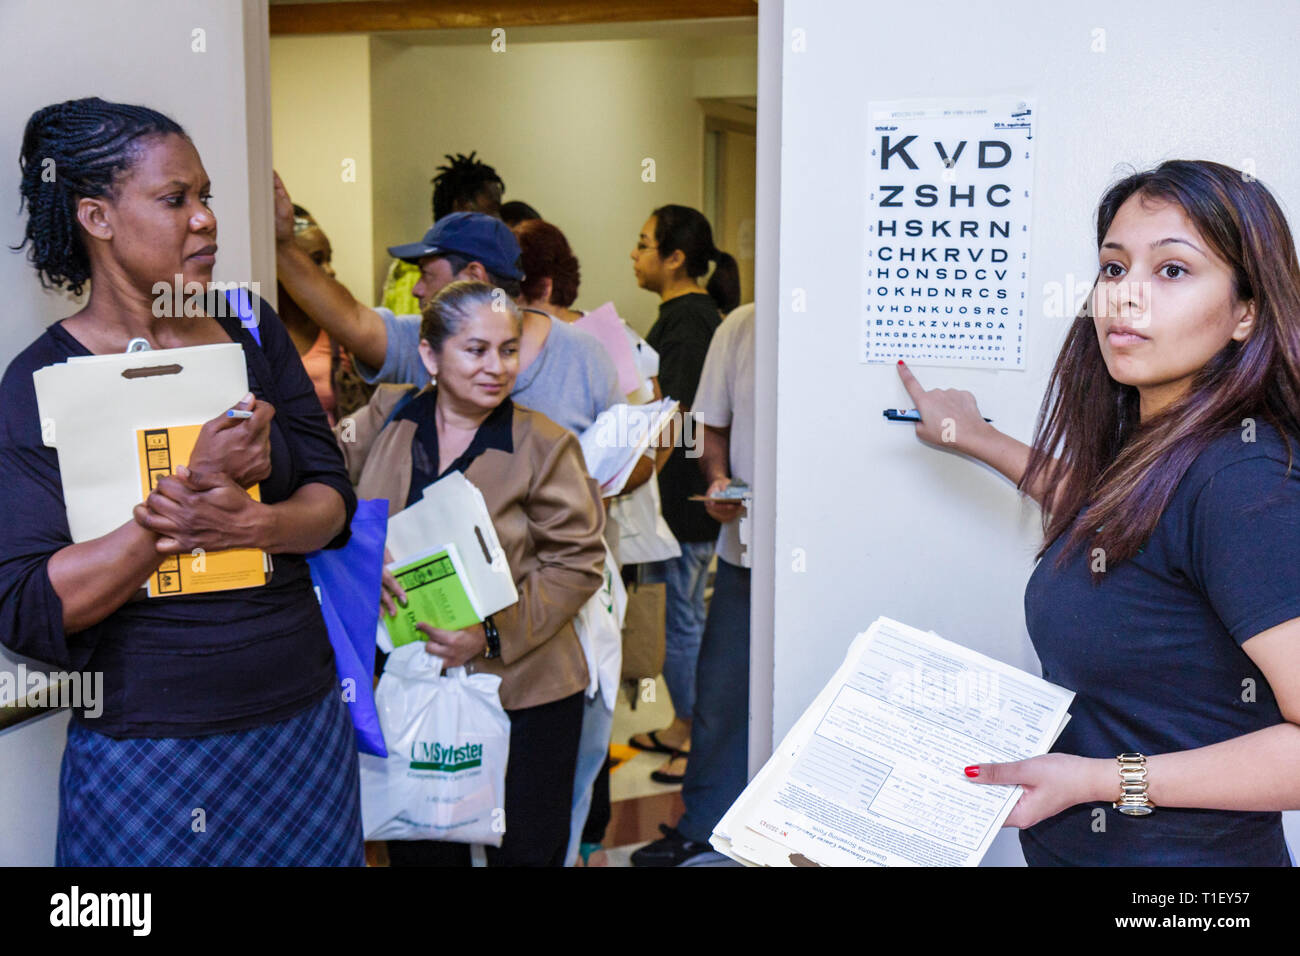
(565, 114)
(890, 526)
(30, 755)
(320, 118)
(135, 51)
(566, 124)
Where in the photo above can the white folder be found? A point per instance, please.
(453, 511)
(614, 443)
(92, 406)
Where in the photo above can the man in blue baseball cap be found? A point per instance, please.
(469, 237)
(576, 382)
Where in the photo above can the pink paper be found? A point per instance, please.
(605, 325)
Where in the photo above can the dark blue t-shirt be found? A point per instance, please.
(1154, 654)
(174, 666)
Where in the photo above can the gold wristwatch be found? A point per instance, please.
(1133, 786)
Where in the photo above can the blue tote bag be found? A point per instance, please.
(348, 582)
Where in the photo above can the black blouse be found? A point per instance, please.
(681, 336)
(1154, 654)
(175, 666)
(494, 432)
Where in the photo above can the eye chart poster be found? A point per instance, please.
(949, 191)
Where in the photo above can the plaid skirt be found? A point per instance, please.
(287, 794)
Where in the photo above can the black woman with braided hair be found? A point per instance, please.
(220, 737)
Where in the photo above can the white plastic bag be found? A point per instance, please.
(643, 534)
(448, 746)
(600, 631)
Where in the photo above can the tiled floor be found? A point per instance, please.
(639, 804)
(654, 710)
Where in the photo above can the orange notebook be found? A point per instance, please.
(161, 451)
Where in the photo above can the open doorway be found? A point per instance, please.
(729, 174)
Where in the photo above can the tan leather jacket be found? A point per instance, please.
(548, 516)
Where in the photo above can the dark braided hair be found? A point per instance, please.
(91, 143)
(461, 181)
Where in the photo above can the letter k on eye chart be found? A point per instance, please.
(949, 191)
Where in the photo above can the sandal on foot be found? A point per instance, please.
(658, 748)
(662, 776)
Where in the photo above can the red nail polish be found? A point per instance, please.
(900, 361)
(973, 770)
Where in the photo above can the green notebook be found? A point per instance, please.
(436, 593)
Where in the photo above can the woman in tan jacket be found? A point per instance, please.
(549, 519)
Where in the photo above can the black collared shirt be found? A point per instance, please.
(497, 431)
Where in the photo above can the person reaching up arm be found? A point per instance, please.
(358, 328)
(972, 435)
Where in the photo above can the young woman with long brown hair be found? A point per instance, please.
(1168, 591)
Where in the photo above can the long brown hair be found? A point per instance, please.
(1124, 470)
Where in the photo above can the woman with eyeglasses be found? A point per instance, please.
(672, 255)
